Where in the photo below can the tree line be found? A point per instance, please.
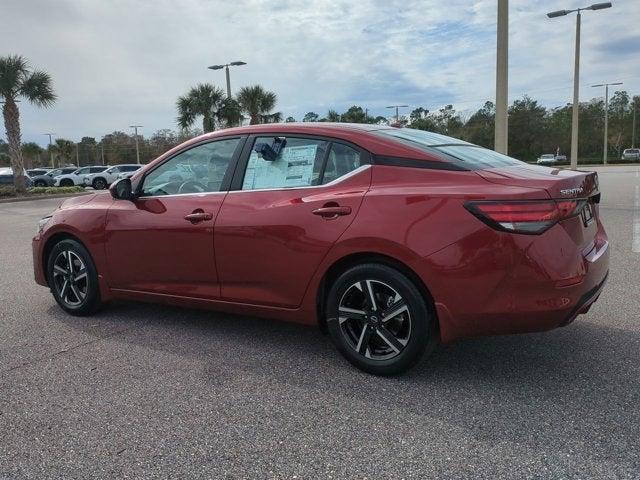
(533, 128)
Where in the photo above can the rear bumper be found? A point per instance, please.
(517, 285)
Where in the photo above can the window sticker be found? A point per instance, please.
(292, 168)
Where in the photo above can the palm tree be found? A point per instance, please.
(257, 102)
(17, 80)
(203, 100)
(333, 116)
(63, 151)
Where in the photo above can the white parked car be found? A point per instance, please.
(76, 177)
(546, 159)
(631, 154)
(102, 180)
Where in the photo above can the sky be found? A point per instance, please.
(117, 63)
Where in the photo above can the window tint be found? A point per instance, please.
(299, 164)
(82, 171)
(199, 169)
(419, 138)
(97, 169)
(129, 168)
(341, 160)
(473, 157)
(463, 154)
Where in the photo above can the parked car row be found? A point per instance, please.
(97, 176)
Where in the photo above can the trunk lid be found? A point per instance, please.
(560, 184)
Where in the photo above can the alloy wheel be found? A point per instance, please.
(70, 278)
(374, 319)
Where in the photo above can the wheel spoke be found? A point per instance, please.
(363, 341)
(64, 291)
(372, 297)
(346, 312)
(80, 275)
(69, 261)
(59, 270)
(394, 310)
(389, 339)
(79, 295)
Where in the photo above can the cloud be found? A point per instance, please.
(122, 62)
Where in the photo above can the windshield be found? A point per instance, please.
(463, 154)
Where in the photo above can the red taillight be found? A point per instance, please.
(526, 216)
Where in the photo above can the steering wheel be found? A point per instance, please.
(192, 186)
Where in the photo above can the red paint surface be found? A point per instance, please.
(266, 253)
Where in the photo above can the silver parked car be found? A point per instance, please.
(631, 154)
(546, 159)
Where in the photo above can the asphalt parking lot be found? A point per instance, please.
(145, 391)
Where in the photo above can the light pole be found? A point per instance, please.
(226, 67)
(136, 127)
(50, 151)
(606, 116)
(397, 112)
(633, 124)
(576, 75)
(501, 140)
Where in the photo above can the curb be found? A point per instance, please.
(42, 197)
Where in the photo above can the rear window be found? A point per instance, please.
(459, 152)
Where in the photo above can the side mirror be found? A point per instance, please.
(121, 189)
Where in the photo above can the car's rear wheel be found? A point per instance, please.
(66, 182)
(39, 183)
(379, 320)
(99, 184)
(73, 278)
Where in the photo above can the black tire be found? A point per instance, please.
(40, 183)
(99, 184)
(65, 182)
(81, 295)
(392, 346)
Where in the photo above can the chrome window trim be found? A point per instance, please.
(199, 194)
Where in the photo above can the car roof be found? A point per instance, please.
(361, 134)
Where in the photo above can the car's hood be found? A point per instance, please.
(75, 201)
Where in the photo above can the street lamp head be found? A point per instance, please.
(557, 13)
(600, 6)
(617, 83)
(216, 67)
(237, 64)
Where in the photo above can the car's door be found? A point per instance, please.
(163, 241)
(80, 174)
(282, 216)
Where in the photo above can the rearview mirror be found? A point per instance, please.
(121, 189)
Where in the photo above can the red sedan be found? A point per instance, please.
(390, 238)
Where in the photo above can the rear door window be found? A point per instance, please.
(299, 164)
(342, 159)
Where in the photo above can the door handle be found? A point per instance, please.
(198, 216)
(332, 212)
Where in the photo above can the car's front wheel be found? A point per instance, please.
(65, 182)
(73, 278)
(379, 320)
(99, 184)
